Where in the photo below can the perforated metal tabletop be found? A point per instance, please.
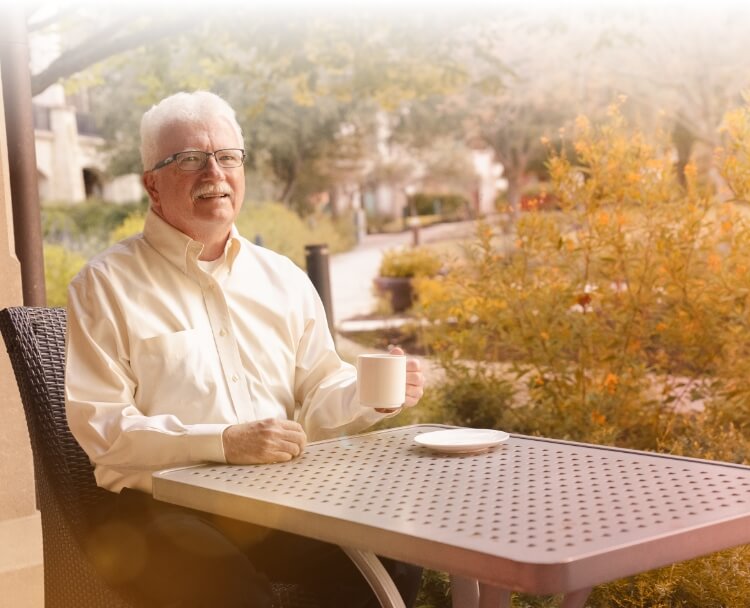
(533, 515)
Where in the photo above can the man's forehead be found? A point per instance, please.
(214, 132)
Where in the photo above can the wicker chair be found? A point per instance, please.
(65, 485)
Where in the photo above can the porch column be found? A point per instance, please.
(21, 570)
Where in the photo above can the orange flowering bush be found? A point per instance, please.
(615, 318)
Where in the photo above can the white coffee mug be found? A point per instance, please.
(381, 380)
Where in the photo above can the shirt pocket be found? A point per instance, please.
(176, 373)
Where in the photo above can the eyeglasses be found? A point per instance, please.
(195, 160)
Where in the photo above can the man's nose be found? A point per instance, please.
(212, 166)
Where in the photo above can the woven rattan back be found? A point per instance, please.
(36, 343)
(65, 485)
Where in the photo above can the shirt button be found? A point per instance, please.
(235, 377)
(222, 332)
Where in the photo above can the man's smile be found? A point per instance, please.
(212, 191)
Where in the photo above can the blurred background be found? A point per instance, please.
(379, 107)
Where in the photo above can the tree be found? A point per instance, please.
(322, 82)
(306, 90)
(92, 35)
(530, 76)
(689, 65)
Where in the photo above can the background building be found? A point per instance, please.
(71, 156)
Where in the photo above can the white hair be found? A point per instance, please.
(181, 108)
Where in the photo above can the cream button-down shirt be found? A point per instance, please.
(162, 356)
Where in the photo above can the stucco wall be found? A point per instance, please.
(21, 573)
(62, 153)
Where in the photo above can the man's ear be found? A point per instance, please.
(149, 183)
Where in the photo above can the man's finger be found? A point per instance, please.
(414, 379)
(291, 425)
(290, 447)
(413, 365)
(297, 437)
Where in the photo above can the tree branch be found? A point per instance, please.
(86, 54)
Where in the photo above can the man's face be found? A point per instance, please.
(203, 202)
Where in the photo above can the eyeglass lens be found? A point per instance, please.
(196, 160)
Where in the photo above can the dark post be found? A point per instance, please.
(316, 259)
(413, 222)
(19, 125)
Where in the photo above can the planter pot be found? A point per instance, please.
(398, 290)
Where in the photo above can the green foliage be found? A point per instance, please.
(435, 591)
(449, 205)
(418, 261)
(279, 228)
(306, 88)
(623, 319)
(477, 398)
(131, 225)
(285, 232)
(717, 581)
(84, 227)
(60, 266)
(74, 233)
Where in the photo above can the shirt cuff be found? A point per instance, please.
(206, 444)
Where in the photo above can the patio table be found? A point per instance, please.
(535, 515)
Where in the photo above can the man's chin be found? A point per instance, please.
(218, 213)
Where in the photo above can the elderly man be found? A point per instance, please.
(189, 344)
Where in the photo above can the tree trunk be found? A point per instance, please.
(683, 140)
(334, 201)
(515, 188)
(288, 191)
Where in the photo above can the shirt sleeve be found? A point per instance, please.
(100, 398)
(326, 386)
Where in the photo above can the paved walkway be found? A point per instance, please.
(352, 272)
(352, 275)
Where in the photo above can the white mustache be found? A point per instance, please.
(205, 190)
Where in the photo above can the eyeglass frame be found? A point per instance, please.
(173, 157)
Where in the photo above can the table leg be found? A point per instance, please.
(377, 577)
(493, 597)
(464, 592)
(575, 599)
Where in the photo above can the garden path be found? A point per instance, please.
(352, 275)
(352, 272)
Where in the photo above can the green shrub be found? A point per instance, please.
(279, 228)
(131, 225)
(447, 205)
(285, 232)
(74, 233)
(435, 590)
(60, 266)
(476, 397)
(414, 262)
(84, 227)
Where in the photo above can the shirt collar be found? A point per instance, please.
(178, 248)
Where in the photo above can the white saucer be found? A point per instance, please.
(461, 441)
